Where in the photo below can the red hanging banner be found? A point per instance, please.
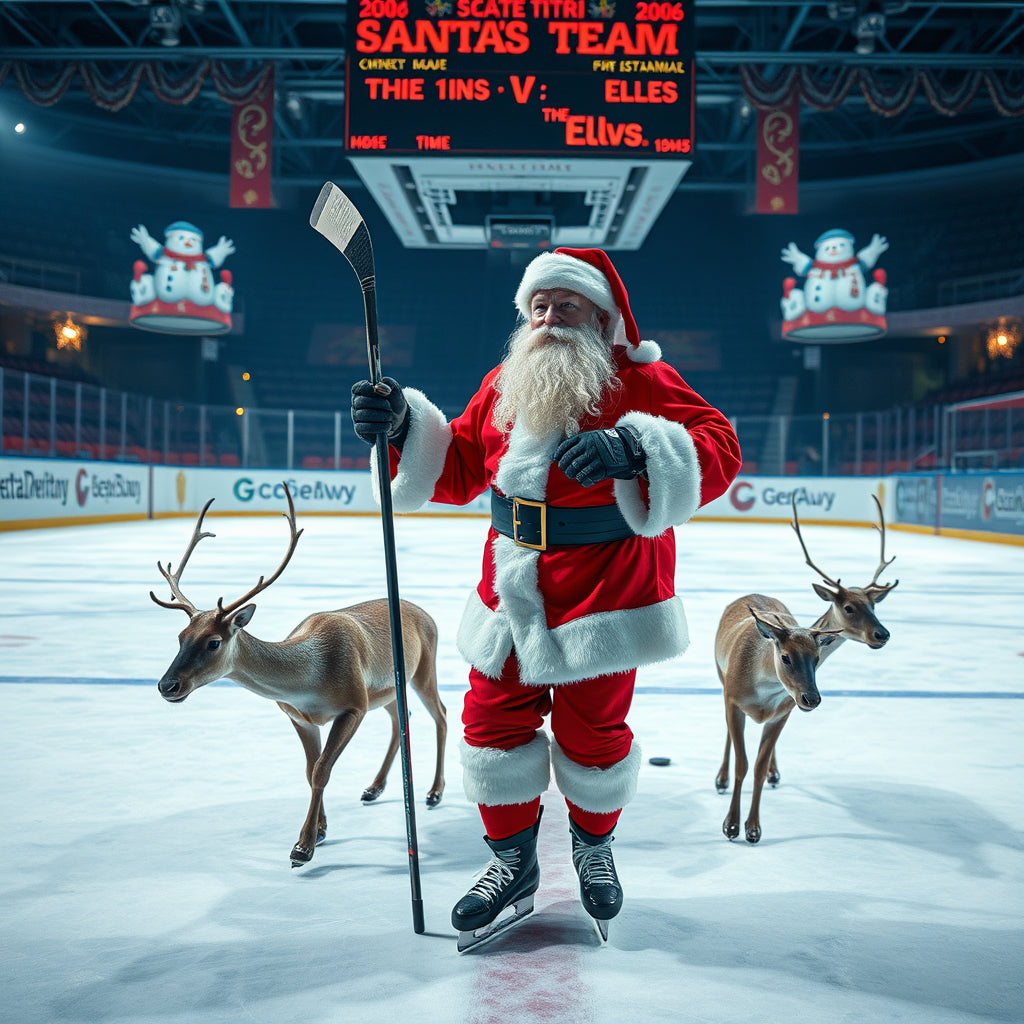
(252, 136)
(778, 159)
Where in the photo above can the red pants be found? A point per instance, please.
(588, 722)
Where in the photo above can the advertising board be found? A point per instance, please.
(818, 499)
(53, 491)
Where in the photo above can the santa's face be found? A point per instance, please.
(834, 250)
(188, 242)
(554, 375)
(558, 307)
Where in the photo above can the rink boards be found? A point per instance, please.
(63, 492)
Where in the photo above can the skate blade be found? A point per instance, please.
(472, 939)
(601, 927)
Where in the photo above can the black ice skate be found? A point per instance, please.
(600, 892)
(509, 880)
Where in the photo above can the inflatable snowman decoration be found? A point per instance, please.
(836, 302)
(181, 296)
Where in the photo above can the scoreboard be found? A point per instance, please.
(582, 78)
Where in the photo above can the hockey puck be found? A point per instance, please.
(660, 761)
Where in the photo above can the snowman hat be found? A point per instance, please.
(590, 273)
(833, 233)
(183, 225)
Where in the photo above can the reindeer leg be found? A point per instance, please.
(722, 778)
(376, 787)
(342, 730)
(736, 718)
(765, 752)
(309, 736)
(424, 682)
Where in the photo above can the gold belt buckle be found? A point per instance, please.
(543, 545)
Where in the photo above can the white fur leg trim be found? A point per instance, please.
(673, 471)
(594, 645)
(598, 790)
(494, 777)
(423, 455)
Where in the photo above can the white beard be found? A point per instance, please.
(552, 378)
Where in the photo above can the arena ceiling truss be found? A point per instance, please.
(887, 87)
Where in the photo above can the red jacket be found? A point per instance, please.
(575, 612)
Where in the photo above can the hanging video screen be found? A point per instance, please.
(518, 77)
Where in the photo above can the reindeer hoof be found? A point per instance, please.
(731, 829)
(722, 787)
(301, 855)
(753, 834)
(433, 799)
(773, 779)
(321, 834)
(371, 793)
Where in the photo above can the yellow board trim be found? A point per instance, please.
(47, 524)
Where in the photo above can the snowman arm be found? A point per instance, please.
(868, 256)
(146, 242)
(220, 252)
(799, 261)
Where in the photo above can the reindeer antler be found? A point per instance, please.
(174, 579)
(882, 563)
(262, 584)
(796, 526)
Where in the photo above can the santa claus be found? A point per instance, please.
(593, 450)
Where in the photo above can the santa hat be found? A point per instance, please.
(588, 272)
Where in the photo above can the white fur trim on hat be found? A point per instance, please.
(556, 270)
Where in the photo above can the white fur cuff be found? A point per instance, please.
(673, 471)
(493, 777)
(598, 790)
(423, 455)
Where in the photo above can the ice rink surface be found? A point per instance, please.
(144, 853)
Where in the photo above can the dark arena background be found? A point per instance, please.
(818, 212)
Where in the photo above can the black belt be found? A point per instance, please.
(537, 525)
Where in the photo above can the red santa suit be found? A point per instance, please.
(540, 623)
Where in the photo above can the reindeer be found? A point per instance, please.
(767, 664)
(333, 667)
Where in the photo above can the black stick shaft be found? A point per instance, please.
(395, 612)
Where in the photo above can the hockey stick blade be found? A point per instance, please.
(336, 218)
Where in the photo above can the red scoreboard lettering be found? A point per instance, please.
(531, 77)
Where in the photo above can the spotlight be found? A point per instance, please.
(19, 128)
(869, 28)
(165, 23)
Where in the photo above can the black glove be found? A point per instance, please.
(596, 455)
(374, 413)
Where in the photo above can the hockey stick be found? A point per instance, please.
(337, 219)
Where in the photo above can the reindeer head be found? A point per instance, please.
(853, 608)
(796, 652)
(206, 644)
